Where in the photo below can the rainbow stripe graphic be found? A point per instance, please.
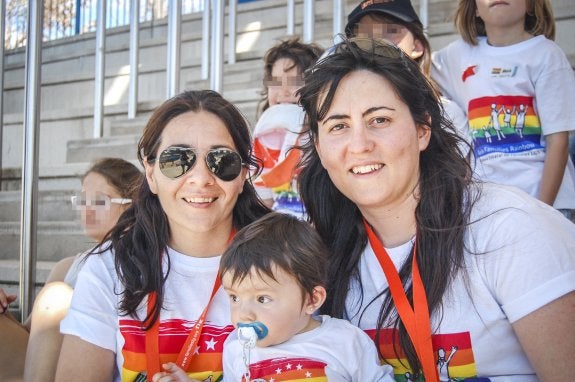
(504, 124)
(453, 355)
(288, 369)
(205, 365)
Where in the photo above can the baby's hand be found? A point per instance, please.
(172, 373)
(5, 300)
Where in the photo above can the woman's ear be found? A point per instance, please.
(424, 134)
(418, 50)
(316, 299)
(150, 176)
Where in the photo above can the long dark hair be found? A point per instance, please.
(142, 233)
(442, 211)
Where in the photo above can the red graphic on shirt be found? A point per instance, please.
(173, 334)
(289, 369)
(470, 71)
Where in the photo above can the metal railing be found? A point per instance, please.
(65, 18)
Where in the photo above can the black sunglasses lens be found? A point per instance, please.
(176, 161)
(224, 163)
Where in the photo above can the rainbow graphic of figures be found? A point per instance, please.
(206, 364)
(288, 369)
(504, 124)
(453, 355)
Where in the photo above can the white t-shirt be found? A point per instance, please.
(94, 315)
(513, 96)
(336, 351)
(523, 258)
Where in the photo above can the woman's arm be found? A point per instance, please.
(548, 338)
(83, 361)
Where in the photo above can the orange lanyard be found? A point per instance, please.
(189, 347)
(416, 320)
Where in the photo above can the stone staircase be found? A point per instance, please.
(66, 146)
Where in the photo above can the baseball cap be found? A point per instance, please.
(400, 9)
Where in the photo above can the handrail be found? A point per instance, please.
(31, 135)
(174, 43)
(99, 76)
(217, 67)
(134, 58)
(308, 20)
(232, 19)
(290, 17)
(2, 29)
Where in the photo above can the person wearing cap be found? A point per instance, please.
(397, 22)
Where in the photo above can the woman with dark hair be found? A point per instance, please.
(398, 23)
(152, 295)
(453, 279)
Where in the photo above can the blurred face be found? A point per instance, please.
(285, 81)
(97, 211)
(380, 27)
(276, 303)
(197, 201)
(508, 14)
(370, 147)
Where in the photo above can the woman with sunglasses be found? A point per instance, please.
(107, 190)
(454, 280)
(152, 295)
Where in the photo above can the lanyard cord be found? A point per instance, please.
(416, 320)
(188, 349)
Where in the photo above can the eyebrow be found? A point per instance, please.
(367, 112)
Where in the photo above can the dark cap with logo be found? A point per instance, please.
(399, 9)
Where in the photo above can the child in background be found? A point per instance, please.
(274, 272)
(107, 191)
(508, 75)
(397, 22)
(280, 122)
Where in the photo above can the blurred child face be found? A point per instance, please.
(285, 80)
(502, 14)
(276, 303)
(380, 27)
(97, 212)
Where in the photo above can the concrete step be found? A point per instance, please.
(55, 240)
(121, 146)
(53, 205)
(58, 177)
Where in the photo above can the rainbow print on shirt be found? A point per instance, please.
(206, 365)
(288, 369)
(504, 125)
(453, 356)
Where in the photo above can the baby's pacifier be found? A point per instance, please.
(249, 333)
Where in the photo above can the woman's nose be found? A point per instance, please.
(360, 139)
(200, 174)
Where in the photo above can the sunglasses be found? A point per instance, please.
(378, 47)
(224, 163)
(101, 201)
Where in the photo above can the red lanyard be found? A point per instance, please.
(189, 347)
(416, 320)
